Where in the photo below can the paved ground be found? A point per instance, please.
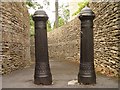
(62, 73)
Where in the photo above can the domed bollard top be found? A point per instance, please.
(40, 15)
(86, 12)
(42, 73)
(86, 73)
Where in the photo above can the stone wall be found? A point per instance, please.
(64, 42)
(107, 37)
(32, 48)
(15, 36)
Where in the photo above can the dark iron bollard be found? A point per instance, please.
(86, 71)
(42, 69)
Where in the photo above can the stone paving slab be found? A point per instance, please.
(62, 73)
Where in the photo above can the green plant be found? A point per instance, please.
(49, 26)
(33, 4)
(61, 22)
(31, 26)
(81, 6)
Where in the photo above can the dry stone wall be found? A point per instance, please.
(107, 37)
(64, 42)
(15, 36)
(32, 48)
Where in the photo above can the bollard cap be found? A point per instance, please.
(86, 12)
(40, 15)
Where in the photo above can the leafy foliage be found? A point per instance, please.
(49, 26)
(64, 12)
(81, 6)
(31, 26)
(62, 19)
(61, 22)
(46, 3)
(33, 4)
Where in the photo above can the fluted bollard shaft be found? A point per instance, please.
(86, 70)
(42, 73)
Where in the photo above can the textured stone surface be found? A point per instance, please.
(15, 36)
(107, 37)
(64, 42)
(32, 48)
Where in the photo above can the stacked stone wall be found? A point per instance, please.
(15, 36)
(32, 48)
(107, 37)
(64, 42)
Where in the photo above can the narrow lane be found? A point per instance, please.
(62, 73)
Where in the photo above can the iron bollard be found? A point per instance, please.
(42, 73)
(86, 73)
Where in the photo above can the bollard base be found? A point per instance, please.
(44, 80)
(87, 73)
(86, 79)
